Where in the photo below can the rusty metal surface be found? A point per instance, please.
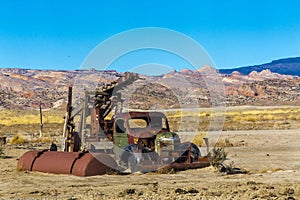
(79, 164)
(88, 164)
(27, 159)
(94, 164)
(56, 162)
(201, 163)
(185, 166)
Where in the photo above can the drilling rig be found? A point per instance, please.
(98, 137)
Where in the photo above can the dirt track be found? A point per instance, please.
(271, 157)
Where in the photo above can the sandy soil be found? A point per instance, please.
(271, 157)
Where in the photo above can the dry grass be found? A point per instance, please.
(18, 139)
(263, 119)
(42, 140)
(12, 121)
(199, 139)
(243, 119)
(28, 121)
(13, 117)
(224, 143)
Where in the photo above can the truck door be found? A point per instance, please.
(120, 135)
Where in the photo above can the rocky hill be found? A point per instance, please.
(262, 88)
(287, 66)
(26, 89)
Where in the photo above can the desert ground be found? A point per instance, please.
(271, 157)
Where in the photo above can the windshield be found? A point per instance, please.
(153, 123)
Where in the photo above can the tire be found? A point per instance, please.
(194, 152)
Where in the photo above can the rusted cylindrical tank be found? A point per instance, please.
(76, 163)
(27, 159)
(94, 164)
(55, 162)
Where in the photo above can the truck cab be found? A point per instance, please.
(129, 127)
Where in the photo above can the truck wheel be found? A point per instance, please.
(194, 152)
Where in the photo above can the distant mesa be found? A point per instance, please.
(286, 66)
(267, 74)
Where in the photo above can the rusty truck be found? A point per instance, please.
(99, 137)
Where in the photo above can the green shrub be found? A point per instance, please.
(217, 157)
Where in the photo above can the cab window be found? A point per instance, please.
(158, 123)
(137, 123)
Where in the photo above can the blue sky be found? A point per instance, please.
(53, 34)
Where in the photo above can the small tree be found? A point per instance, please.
(217, 157)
